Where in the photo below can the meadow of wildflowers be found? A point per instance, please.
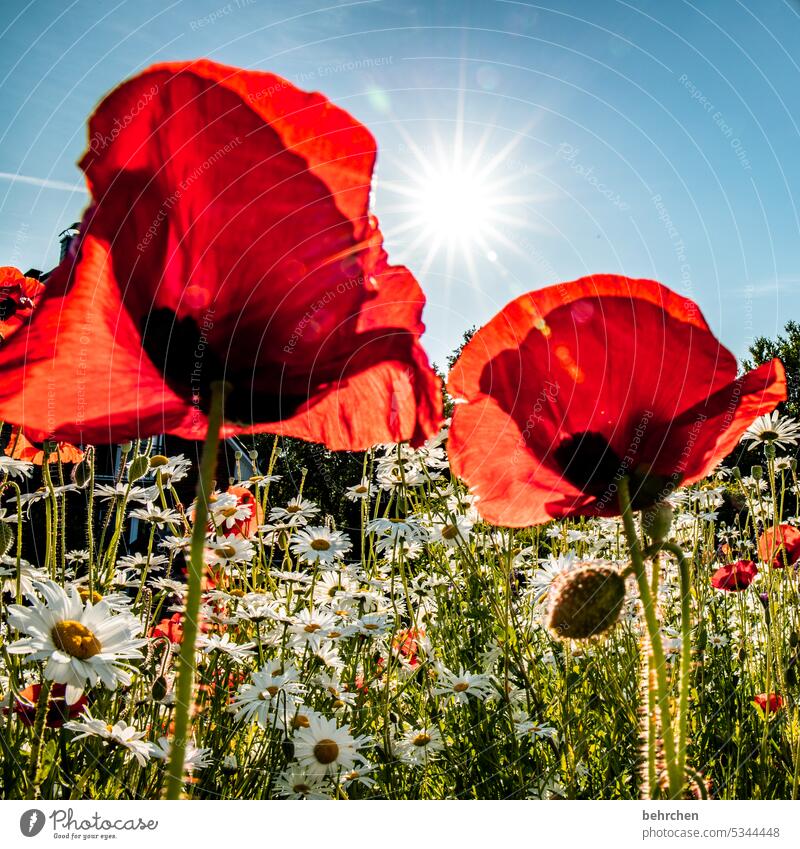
(405, 655)
(564, 590)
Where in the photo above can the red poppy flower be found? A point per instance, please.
(171, 628)
(570, 388)
(21, 448)
(771, 703)
(58, 711)
(246, 527)
(780, 545)
(230, 239)
(19, 296)
(735, 576)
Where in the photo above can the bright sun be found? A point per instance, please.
(453, 203)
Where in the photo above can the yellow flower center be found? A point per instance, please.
(361, 489)
(271, 691)
(94, 597)
(301, 789)
(75, 639)
(312, 627)
(460, 687)
(225, 550)
(158, 460)
(236, 593)
(370, 626)
(300, 721)
(326, 751)
(320, 544)
(293, 508)
(421, 740)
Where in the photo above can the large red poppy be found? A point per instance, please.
(229, 238)
(573, 387)
(19, 296)
(734, 576)
(780, 545)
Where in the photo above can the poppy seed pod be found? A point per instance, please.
(585, 602)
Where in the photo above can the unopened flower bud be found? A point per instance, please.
(736, 472)
(81, 474)
(138, 467)
(656, 521)
(252, 454)
(6, 538)
(585, 601)
(757, 472)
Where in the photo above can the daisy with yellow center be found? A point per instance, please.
(325, 747)
(83, 644)
(320, 545)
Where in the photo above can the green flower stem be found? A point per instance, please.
(186, 659)
(686, 651)
(674, 777)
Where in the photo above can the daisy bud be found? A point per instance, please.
(585, 602)
(138, 467)
(757, 472)
(656, 521)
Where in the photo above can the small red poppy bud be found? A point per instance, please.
(585, 602)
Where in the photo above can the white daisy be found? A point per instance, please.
(82, 644)
(298, 511)
(194, 758)
(15, 468)
(325, 747)
(418, 745)
(773, 429)
(271, 689)
(319, 545)
(120, 733)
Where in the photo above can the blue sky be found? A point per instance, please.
(645, 138)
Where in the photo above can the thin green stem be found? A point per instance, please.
(186, 659)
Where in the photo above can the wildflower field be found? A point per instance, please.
(543, 578)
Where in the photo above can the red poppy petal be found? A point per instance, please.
(79, 365)
(604, 373)
(233, 212)
(702, 437)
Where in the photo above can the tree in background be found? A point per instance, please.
(787, 347)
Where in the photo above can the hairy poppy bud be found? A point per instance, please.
(585, 602)
(138, 467)
(656, 521)
(6, 538)
(81, 474)
(160, 688)
(757, 472)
